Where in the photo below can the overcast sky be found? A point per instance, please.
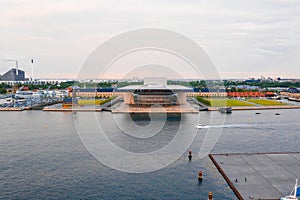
(243, 38)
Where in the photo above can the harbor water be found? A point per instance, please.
(42, 156)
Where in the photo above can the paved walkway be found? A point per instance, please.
(124, 108)
(257, 108)
(259, 176)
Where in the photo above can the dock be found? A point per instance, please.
(72, 109)
(11, 109)
(257, 107)
(43, 105)
(264, 176)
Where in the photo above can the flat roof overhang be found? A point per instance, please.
(174, 88)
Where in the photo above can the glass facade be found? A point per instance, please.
(159, 97)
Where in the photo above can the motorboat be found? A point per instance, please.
(294, 193)
(199, 126)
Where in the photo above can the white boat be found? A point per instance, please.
(23, 94)
(292, 196)
(199, 126)
(7, 100)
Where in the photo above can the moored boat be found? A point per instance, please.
(226, 110)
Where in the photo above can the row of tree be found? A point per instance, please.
(63, 85)
(201, 84)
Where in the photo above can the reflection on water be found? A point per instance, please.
(141, 132)
(148, 116)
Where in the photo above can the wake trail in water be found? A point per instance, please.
(224, 126)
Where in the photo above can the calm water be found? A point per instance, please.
(42, 157)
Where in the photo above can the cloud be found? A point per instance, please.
(243, 36)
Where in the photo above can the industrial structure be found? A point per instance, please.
(13, 75)
(91, 92)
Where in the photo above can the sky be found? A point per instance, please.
(243, 38)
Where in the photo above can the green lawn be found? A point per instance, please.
(227, 102)
(266, 102)
(94, 101)
(90, 102)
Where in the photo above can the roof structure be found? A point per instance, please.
(132, 88)
(155, 83)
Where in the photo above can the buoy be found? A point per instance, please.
(190, 155)
(210, 196)
(200, 177)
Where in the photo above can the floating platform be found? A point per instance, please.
(264, 176)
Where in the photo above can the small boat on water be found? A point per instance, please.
(294, 194)
(226, 110)
(199, 126)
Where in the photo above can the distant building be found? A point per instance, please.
(245, 94)
(247, 87)
(293, 90)
(12, 75)
(92, 92)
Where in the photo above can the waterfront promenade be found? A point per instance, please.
(11, 109)
(72, 109)
(259, 176)
(258, 107)
(184, 108)
(172, 109)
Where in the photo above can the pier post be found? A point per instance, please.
(190, 155)
(210, 196)
(200, 176)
